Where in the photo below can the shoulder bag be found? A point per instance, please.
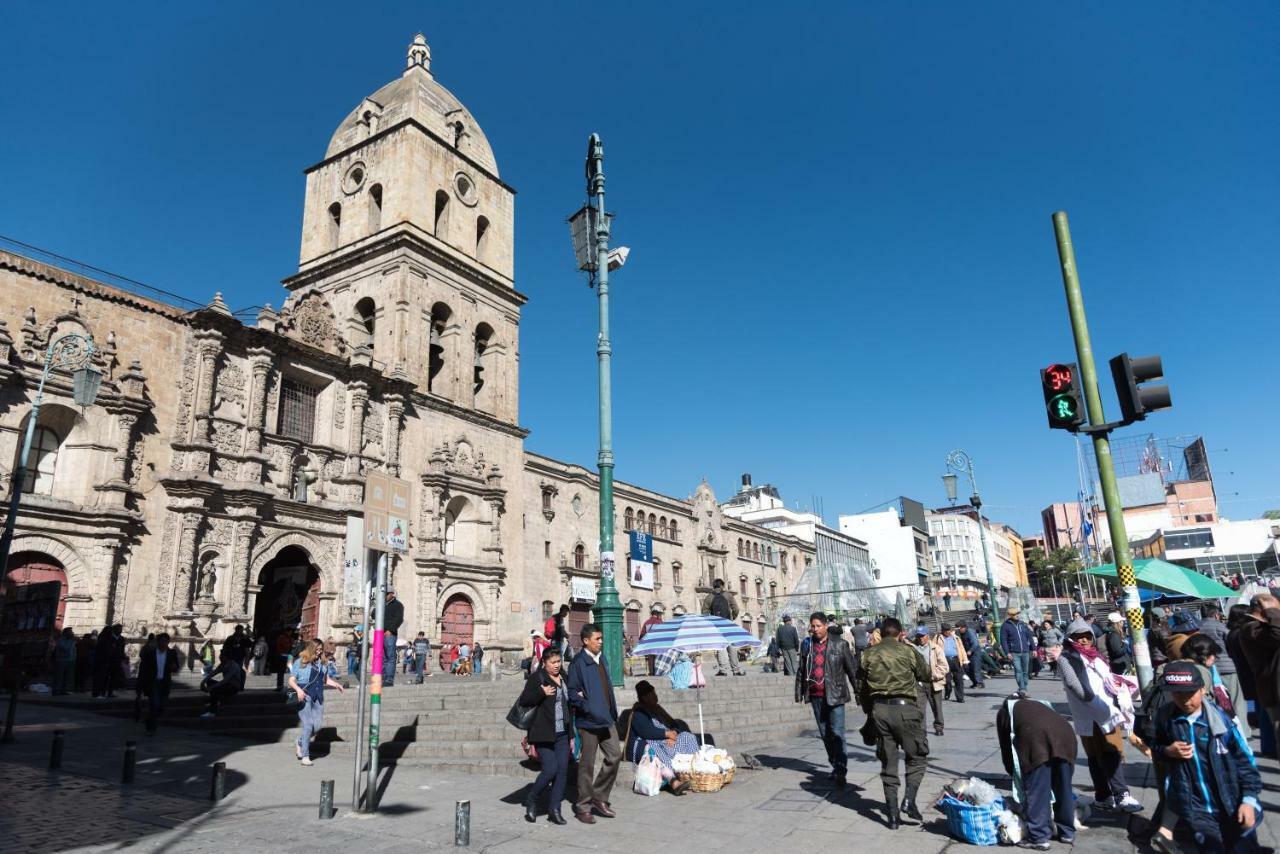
(521, 717)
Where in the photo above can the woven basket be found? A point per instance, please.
(728, 775)
(706, 782)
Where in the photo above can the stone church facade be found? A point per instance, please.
(212, 480)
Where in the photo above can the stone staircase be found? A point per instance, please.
(460, 724)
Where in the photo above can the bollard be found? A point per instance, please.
(130, 757)
(9, 716)
(326, 799)
(462, 823)
(55, 752)
(218, 782)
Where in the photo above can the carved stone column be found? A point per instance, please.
(260, 364)
(242, 554)
(183, 586)
(395, 425)
(358, 397)
(209, 345)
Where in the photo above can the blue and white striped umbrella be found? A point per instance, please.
(693, 633)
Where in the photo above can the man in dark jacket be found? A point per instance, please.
(1212, 625)
(1038, 747)
(393, 619)
(106, 661)
(821, 674)
(1260, 642)
(156, 667)
(591, 695)
(788, 640)
(1017, 640)
(1212, 783)
(721, 603)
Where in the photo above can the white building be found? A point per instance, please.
(956, 547)
(1248, 546)
(897, 539)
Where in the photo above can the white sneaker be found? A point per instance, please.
(208, 716)
(1129, 804)
(306, 760)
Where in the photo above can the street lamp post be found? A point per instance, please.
(589, 228)
(960, 462)
(71, 352)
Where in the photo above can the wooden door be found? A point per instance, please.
(34, 597)
(631, 626)
(310, 619)
(457, 626)
(579, 615)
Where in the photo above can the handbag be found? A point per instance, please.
(870, 732)
(292, 703)
(521, 717)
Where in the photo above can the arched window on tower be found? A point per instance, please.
(440, 314)
(579, 556)
(675, 530)
(375, 208)
(335, 224)
(441, 229)
(739, 546)
(755, 550)
(366, 313)
(662, 526)
(42, 462)
(482, 231)
(653, 524)
(629, 520)
(484, 334)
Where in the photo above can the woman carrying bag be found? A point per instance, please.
(550, 730)
(308, 679)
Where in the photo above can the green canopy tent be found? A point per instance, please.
(1156, 574)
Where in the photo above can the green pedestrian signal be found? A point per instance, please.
(1062, 397)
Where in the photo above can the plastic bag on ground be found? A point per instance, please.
(648, 781)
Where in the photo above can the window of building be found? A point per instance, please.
(742, 586)
(442, 214)
(482, 232)
(546, 548)
(440, 314)
(547, 605)
(335, 224)
(297, 410)
(653, 524)
(662, 526)
(484, 333)
(740, 552)
(1200, 539)
(579, 556)
(629, 520)
(675, 530)
(759, 589)
(366, 313)
(375, 208)
(755, 550)
(42, 462)
(675, 574)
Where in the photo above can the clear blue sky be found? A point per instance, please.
(843, 264)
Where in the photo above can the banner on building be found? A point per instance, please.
(582, 590)
(353, 571)
(640, 569)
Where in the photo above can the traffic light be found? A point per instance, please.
(1063, 400)
(1129, 374)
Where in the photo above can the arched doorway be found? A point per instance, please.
(33, 602)
(290, 595)
(457, 625)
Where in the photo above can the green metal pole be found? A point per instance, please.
(608, 606)
(1102, 449)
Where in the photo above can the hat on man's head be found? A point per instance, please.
(1013, 612)
(391, 591)
(922, 631)
(1114, 617)
(786, 618)
(1182, 676)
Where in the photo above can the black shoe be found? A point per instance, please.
(554, 817)
(530, 810)
(841, 781)
(913, 812)
(892, 816)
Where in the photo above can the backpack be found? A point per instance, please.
(720, 606)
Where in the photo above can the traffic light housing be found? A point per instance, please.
(1063, 398)
(1130, 374)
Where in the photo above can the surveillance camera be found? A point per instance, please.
(618, 257)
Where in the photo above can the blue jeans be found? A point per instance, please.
(310, 716)
(477, 665)
(1021, 667)
(555, 770)
(1052, 777)
(831, 730)
(388, 659)
(420, 665)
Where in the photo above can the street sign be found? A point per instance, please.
(353, 572)
(640, 571)
(386, 512)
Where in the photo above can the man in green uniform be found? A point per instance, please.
(887, 677)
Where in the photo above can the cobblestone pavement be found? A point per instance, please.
(272, 802)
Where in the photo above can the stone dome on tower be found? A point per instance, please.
(416, 97)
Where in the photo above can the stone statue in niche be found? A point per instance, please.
(208, 580)
(303, 477)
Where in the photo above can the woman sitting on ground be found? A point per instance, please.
(652, 728)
